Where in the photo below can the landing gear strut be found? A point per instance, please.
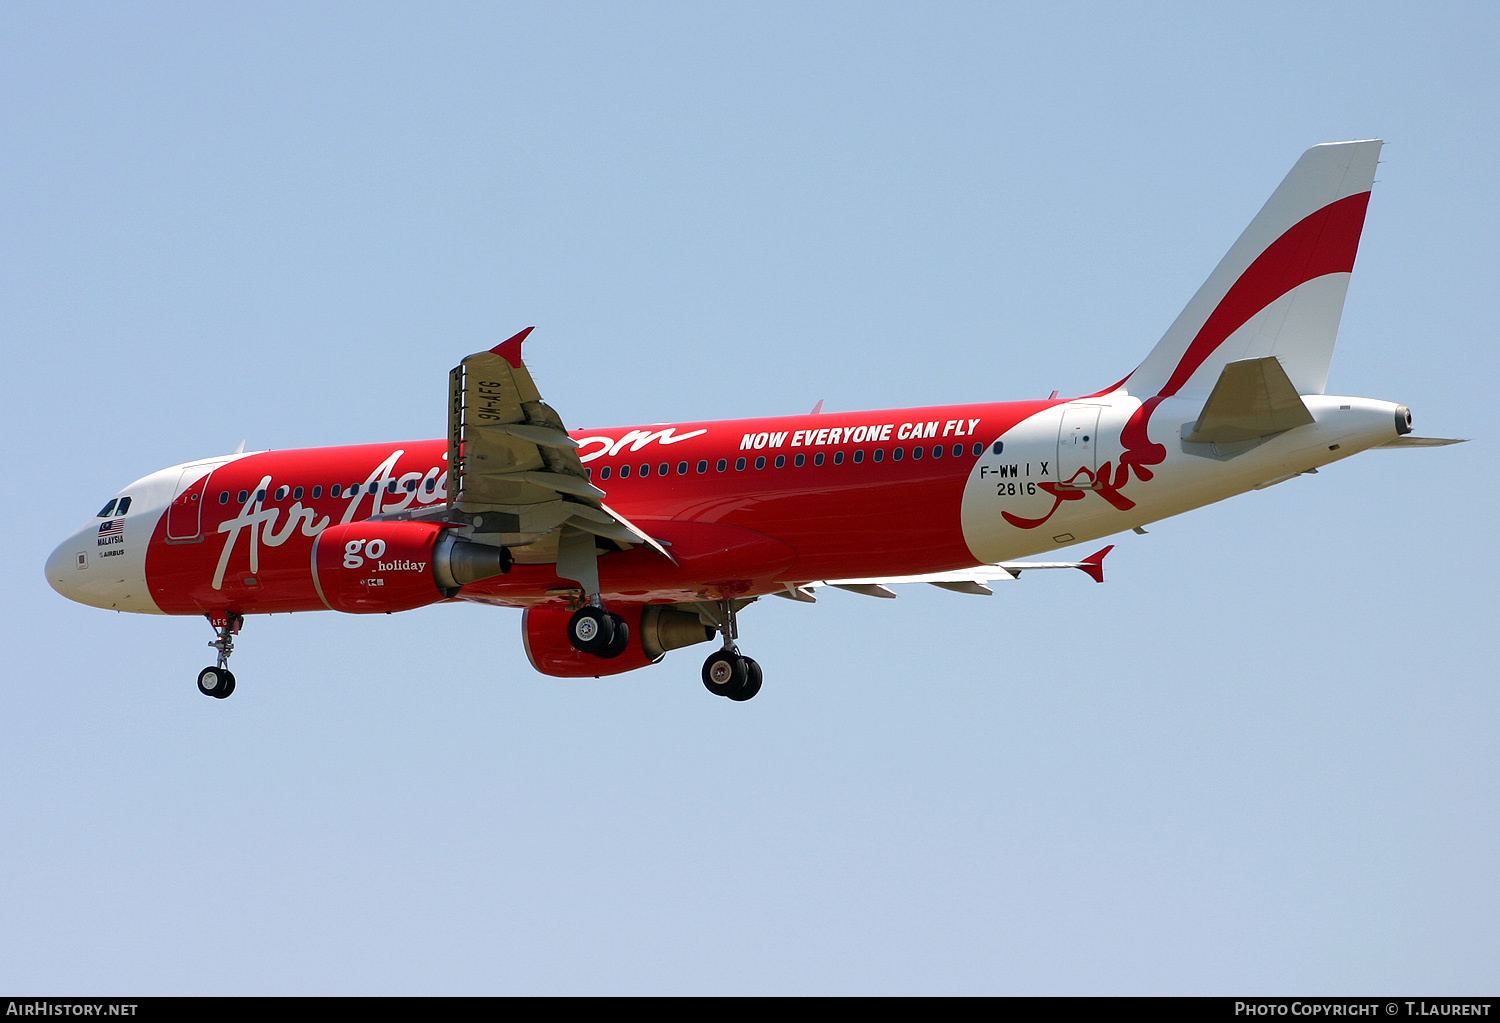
(218, 681)
(596, 631)
(727, 672)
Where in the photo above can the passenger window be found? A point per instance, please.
(588, 472)
(429, 485)
(317, 491)
(999, 448)
(223, 497)
(799, 461)
(244, 495)
(645, 469)
(624, 472)
(335, 490)
(937, 451)
(916, 452)
(898, 454)
(781, 461)
(107, 510)
(682, 468)
(703, 467)
(411, 486)
(374, 488)
(722, 464)
(664, 469)
(260, 495)
(958, 450)
(760, 462)
(880, 454)
(390, 488)
(838, 458)
(604, 473)
(859, 456)
(739, 464)
(979, 448)
(818, 458)
(297, 494)
(123, 506)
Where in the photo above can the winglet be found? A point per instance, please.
(1094, 564)
(510, 350)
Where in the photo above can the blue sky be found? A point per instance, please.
(1259, 759)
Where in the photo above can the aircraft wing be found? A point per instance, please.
(965, 580)
(513, 472)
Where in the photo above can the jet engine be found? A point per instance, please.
(654, 629)
(381, 567)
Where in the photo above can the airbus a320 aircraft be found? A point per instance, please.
(622, 544)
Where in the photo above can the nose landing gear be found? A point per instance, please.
(727, 672)
(218, 681)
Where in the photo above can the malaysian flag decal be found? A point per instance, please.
(114, 527)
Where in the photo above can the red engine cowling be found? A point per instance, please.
(654, 630)
(377, 567)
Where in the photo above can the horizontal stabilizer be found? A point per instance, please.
(1422, 442)
(1252, 399)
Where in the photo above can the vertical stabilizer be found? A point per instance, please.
(1280, 290)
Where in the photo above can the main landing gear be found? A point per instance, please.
(728, 672)
(596, 631)
(218, 681)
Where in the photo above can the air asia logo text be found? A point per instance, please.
(637, 439)
(386, 490)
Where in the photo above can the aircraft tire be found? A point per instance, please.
(752, 682)
(215, 682)
(621, 638)
(591, 629)
(724, 673)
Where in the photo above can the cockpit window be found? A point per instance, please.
(123, 506)
(107, 510)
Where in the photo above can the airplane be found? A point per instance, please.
(622, 544)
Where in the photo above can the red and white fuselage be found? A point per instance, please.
(833, 496)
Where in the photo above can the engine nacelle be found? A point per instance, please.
(654, 629)
(382, 567)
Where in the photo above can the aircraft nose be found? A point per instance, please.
(105, 569)
(64, 565)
